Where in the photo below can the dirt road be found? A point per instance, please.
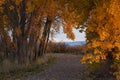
(68, 67)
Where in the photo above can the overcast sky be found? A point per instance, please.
(61, 37)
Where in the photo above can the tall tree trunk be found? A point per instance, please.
(31, 47)
(19, 50)
(22, 49)
(22, 39)
(35, 50)
(47, 39)
(44, 37)
(5, 43)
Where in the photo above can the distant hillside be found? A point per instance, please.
(75, 43)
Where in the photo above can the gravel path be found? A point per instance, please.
(68, 67)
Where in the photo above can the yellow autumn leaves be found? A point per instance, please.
(103, 22)
(62, 12)
(103, 34)
(17, 2)
(90, 58)
(30, 7)
(2, 2)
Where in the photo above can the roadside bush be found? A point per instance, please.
(63, 48)
(100, 71)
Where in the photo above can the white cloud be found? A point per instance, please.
(61, 37)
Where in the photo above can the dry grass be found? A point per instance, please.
(13, 71)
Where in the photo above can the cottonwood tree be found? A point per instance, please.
(32, 20)
(103, 34)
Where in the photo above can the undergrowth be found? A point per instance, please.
(12, 71)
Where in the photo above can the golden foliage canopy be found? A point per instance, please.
(103, 31)
(103, 35)
(68, 13)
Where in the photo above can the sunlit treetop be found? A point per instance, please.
(68, 13)
(103, 31)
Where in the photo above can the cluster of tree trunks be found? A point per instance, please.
(30, 41)
(30, 23)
